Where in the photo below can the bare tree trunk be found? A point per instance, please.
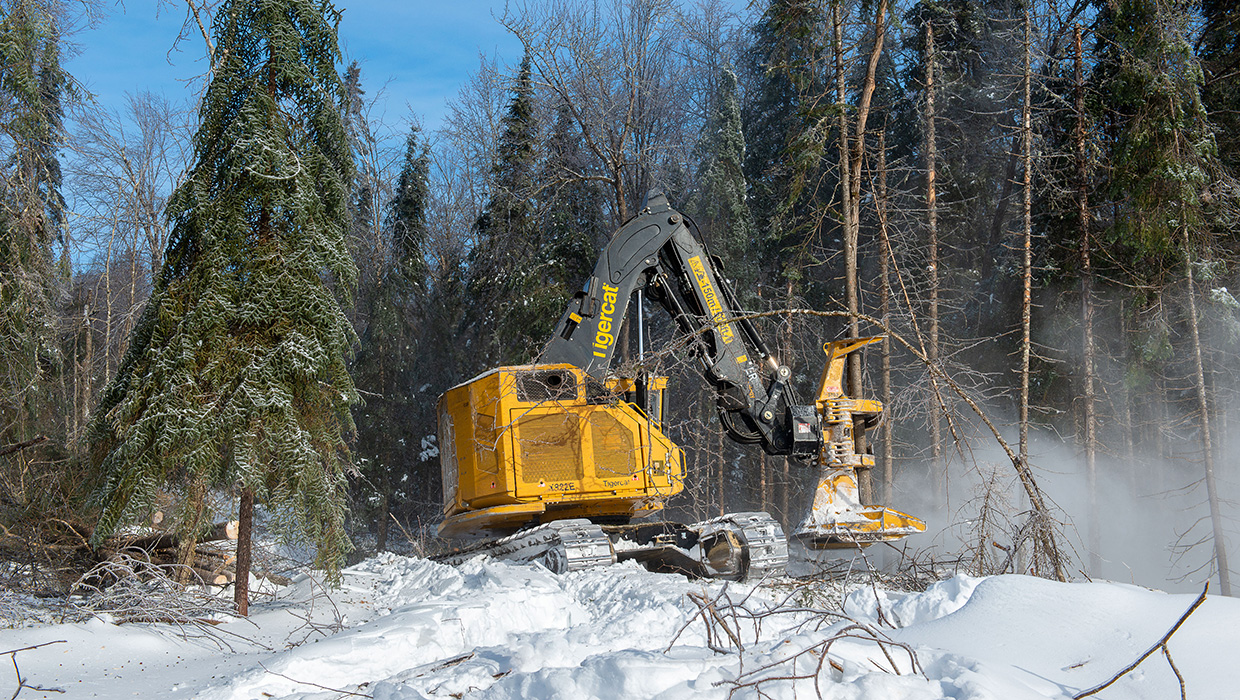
(245, 536)
(107, 323)
(1026, 299)
(381, 526)
(884, 305)
(1089, 427)
(852, 153)
(194, 509)
(787, 352)
(88, 369)
(932, 229)
(851, 291)
(1203, 408)
(1129, 423)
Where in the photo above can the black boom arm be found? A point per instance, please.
(656, 252)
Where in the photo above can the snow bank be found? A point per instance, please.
(409, 629)
(903, 609)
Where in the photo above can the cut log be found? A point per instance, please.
(168, 540)
(217, 578)
(224, 531)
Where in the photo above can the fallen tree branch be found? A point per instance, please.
(315, 685)
(21, 682)
(1161, 644)
(705, 605)
(10, 449)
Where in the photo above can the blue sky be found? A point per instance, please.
(417, 52)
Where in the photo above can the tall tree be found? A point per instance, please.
(1088, 346)
(389, 421)
(506, 255)
(1219, 50)
(851, 154)
(614, 65)
(1148, 85)
(573, 225)
(32, 220)
(785, 70)
(235, 375)
(368, 195)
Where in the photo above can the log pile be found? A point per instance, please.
(214, 558)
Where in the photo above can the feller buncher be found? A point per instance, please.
(565, 462)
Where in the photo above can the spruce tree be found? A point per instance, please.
(408, 211)
(505, 258)
(32, 221)
(1162, 155)
(389, 422)
(784, 60)
(573, 224)
(367, 194)
(1219, 51)
(1145, 93)
(235, 375)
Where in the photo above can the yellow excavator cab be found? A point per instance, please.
(520, 445)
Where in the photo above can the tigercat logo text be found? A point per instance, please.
(712, 299)
(604, 337)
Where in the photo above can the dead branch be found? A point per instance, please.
(10, 449)
(21, 681)
(820, 651)
(1160, 644)
(140, 592)
(706, 606)
(723, 617)
(315, 685)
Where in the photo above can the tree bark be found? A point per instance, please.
(1089, 425)
(19, 446)
(884, 306)
(245, 535)
(852, 153)
(1203, 408)
(196, 496)
(939, 470)
(381, 527)
(1026, 299)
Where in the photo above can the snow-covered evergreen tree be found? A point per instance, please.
(235, 375)
(393, 419)
(504, 268)
(573, 225)
(31, 216)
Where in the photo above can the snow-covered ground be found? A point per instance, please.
(404, 628)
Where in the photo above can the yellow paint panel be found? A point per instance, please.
(564, 453)
(713, 304)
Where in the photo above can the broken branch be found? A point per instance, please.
(1161, 644)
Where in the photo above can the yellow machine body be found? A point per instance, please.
(536, 443)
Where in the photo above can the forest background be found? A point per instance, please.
(1035, 201)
